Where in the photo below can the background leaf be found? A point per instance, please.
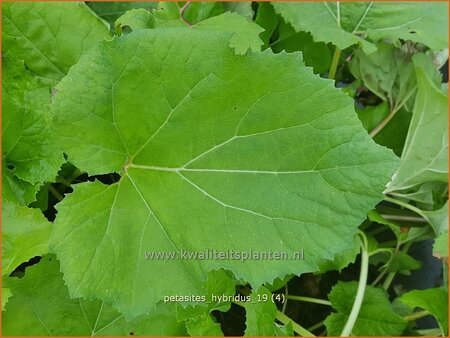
(25, 235)
(43, 35)
(376, 317)
(41, 306)
(425, 155)
(433, 300)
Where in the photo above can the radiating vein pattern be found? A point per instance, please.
(225, 152)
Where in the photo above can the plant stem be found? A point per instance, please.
(286, 293)
(405, 205)
(55, 193)
(383, 123)
(391, 114)
(361, 287)
(182, 10)
(416, 315)
(390, 277)
(316, 326)
(404, 218)
(310, 300)
(281, 317)
(334, 63)
(430, 332)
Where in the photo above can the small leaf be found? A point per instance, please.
(260, 314)
(204, 326)
(376, 317)
(135, 19)
(25, 235)
(402, 262)
(245, 34)
(375, 216)
(434, 301)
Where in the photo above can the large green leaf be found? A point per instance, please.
(41, 306)
(343, 23)
(29, 148)
(25, 234)
(435, 301)
(424, 156)
(207, 162)
(376, 317)
(50, 37)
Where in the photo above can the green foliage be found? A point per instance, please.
(425, 155)
(260, 314)
(35, 34)
(376, 317)
(432, 300)
(343, 24)
(25, 235)
(180, 128)
(205, 171)
(27, 120)
(41, 305)
(111, 11)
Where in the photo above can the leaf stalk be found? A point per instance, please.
(361, 287)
